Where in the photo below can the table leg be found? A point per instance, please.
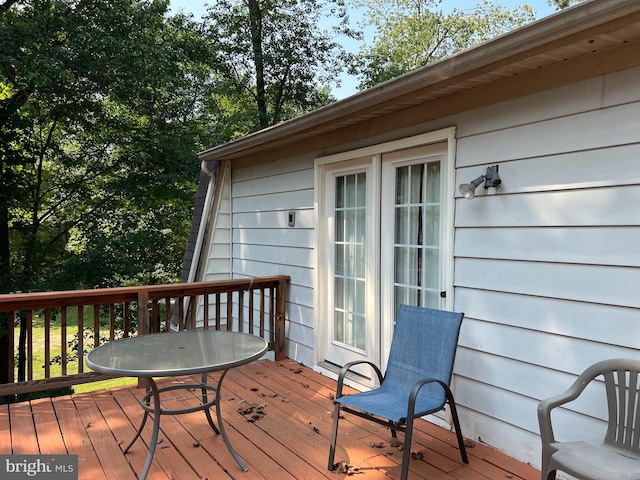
(151, 385)
(142, 424)
(204, 401)
(233, 453)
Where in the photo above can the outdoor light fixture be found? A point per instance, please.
(490, 179)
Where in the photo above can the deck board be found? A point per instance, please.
(50, 439)
(23, 433)
(289, 442)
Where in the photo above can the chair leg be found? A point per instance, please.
(546, 473)
(406, 452)
(334, 435)
(456, 425)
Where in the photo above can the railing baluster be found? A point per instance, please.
(47, 343)
(272, 314)
(112, 322)
(279, 328)
(29, 344)
(96, 325)
(63, 338)
(155, 315)
(261, 313)
(167, 313)
(251, 311)
(126, 319)
(143, 313)
(241, 310)
(194, 312)
(230, 310)
(11, 315)
(80, 338)
(218, 322)
(205, 315)
(181, 319)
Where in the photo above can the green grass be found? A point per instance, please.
(55, 338)
(105, 384)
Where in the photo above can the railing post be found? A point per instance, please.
(279, 347)
(7, 363)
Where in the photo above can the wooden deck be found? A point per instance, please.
(289, 441)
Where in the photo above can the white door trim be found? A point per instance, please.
(373, 153)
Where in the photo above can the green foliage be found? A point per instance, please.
(103, 106)
(272, 59)
(411, 34)
(562, 4)
(101, 114)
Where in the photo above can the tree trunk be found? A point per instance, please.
(255, 22)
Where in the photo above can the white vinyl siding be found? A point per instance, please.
(218, 264)
(264, 244)
(547, 270)
(218, 260)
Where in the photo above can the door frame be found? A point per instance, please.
(390, 162)
(374, 153)
(370, 166)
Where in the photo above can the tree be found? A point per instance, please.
(272, 57)
(413, 33)
(100, 118)
(562, 4)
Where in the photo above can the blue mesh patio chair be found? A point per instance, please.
(416, 382)
(618, 456)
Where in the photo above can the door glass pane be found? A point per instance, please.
(417, 235)
(350, 268)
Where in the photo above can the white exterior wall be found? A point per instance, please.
(264, 244)
(546, 271)
(218, 263)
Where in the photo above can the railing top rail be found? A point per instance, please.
(26, 301)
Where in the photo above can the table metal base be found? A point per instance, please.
(151, 405)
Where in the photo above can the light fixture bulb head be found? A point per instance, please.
(468, 190)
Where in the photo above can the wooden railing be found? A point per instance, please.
(252, 305)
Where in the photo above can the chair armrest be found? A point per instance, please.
(545, 406)
(416, 389)
(347, 367)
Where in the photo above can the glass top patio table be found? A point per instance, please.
(172, 354)
(175, 354)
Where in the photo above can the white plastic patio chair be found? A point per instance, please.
(618, 456)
